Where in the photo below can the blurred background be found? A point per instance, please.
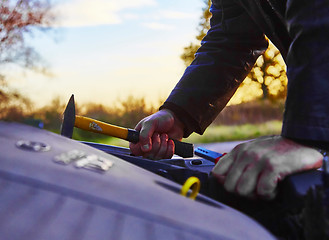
(120, 59)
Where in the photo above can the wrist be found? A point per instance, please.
(310, 142)
(189, 124)
(178, 124)
(316, 145)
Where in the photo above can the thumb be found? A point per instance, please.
(161, 122)
(146, 131)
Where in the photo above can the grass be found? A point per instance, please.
(217, 134)
(238, 132)
(115, 142)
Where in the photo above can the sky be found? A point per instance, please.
(103, 51)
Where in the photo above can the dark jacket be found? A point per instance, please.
(298, 28)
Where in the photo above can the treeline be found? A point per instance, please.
(130, 111)
(125, 113)
(255, 112)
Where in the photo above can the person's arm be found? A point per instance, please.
(306, 117)
(227, 54)
(255, 168)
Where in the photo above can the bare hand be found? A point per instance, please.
(253, 169)
(155, 131)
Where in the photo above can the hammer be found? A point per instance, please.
(71, 120)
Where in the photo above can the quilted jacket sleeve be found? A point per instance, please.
(227, 54)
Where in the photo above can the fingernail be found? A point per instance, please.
(145, 147)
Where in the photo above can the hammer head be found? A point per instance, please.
(68, 119)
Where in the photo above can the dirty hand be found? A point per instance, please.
(253, 169)
(155, 131)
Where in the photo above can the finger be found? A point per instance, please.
(223, 165)
(155, 146)
(247, 183)
(146, 132)
(282, 167)
(136, 149)
(240, 162)
(163, 146)
(139, 125)
(245, 162)
(147, 129)
(225, 162)
(170, 149)
(233, 176)
(267, 184)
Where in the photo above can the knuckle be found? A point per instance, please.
(228, 186)
(156, 138)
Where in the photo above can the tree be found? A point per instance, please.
(269, 73)
(133, 109)
(52, 114)
(268, 76)
(204, 26)
(18, 18)
(13, 106)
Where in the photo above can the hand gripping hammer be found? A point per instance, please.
(71, 120)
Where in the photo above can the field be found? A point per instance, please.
(223, 133)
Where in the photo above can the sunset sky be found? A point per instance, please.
(105, 50)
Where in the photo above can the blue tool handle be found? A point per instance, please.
(207, 154)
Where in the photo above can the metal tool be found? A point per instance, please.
(72, 120)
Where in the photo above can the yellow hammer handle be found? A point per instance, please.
(93, 125)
